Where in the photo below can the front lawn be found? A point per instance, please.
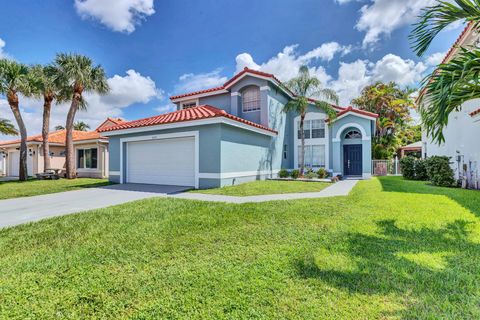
(392, 249)
(267, 187)
(17, 189)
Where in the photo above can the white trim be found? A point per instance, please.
(236, 94)
(190, 124)
(367, 176)
(355, 114)
(353, 125)
(194, 134)
(200, 95)
(309, 142)
(265, 88)
(228, 175)
(89, 141)
(114, 173)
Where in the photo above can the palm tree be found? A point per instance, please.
(77, 75)
(81, 126)
(43, 79)
(58, 128)
(307, 87)
(6, 127)
(454, 82)
(14, 80)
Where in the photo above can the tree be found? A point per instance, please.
(81, 126)
(14, 80)
(307, 87)
(45, 85)
(77, 75)
(452, 83)
(6, 127)
(58, 128)
(393, 105)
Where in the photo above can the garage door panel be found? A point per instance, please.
(167, 161)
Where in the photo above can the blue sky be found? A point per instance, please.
(152, 49)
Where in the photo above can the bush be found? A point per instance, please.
(322, 173)
(283, 173)
(421, 170)
(439, 171)
(311, 175)
(407, 165)
(295, 174)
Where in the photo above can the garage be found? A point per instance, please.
(14, 164)
(164, 161)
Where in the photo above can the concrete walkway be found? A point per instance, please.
(338, 189)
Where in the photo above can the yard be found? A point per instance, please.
(392, 249)
(257, 188)
(17, 189)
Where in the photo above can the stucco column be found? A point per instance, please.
(337, 158)
(235, 103)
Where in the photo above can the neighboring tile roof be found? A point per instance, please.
(110, 122)
(357, 111)
(474, 113)
(190, 114)
(412, 146)
(59, 137)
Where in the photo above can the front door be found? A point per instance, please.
(352, 160)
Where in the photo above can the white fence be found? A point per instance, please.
(386, 167)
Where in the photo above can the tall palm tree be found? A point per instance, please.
(44, 84)
(307, 87)
(58, 128)
(78, 76)
(14, 80)
(452, 83)
(81, 126)
(6, 127)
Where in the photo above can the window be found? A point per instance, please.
(284, 151)
(318, 129)
(314, 156)
(87, 158)
(189, 104)
(251, 99)
(306, 129)
(353, 134)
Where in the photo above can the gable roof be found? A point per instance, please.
(110, 122)
(475, 113)
(356, 111)
(58, 137)
(183, 115)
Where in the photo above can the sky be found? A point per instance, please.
(152, 49)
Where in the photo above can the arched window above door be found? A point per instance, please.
(353, 134)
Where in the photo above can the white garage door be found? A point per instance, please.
(14, 164)
(166, 161)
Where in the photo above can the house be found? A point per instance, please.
(91, 152)
(235, 133)
(463, 129)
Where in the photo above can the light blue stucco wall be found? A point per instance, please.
(221, 101)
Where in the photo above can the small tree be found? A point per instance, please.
(306, 87)
(6, 127)
(81, 126)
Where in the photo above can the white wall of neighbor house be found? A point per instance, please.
(57, 158)
(2, 164)
(101, 170)
(462, 137)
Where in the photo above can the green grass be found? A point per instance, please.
(267, 187)
(391, 250)
(17, 189)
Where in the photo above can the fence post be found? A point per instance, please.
(396, 165)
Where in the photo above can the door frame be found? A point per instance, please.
(345, 147)
(124, 153)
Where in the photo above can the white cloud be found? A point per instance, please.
(125, 91)
(166, 108)
(118, 15)
(393, 68)
(3, 54)
(193, 82)
(381, 17)
(435, 58)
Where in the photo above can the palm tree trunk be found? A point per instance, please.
(12, 98)
(302, 153)
(47, 106)
(70, 161)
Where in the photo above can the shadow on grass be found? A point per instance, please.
(469, 199)
(436, 271)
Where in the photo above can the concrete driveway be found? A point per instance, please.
(22, 210)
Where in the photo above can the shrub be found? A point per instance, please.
(439, 171)
(295, 174)
(311, 175)
(283, 173)
(421, 170)
(322, 173)
(407, 165)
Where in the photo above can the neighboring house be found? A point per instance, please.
(2, 163)
(463, 129)
(236, 133)
(91, 152)
(412, 149)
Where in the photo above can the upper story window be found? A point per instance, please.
(353, 134)
(189, 104)
(314, 129)
(251, 99)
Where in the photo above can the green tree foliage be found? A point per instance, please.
(6, 127)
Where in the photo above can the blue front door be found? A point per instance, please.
(352, 160)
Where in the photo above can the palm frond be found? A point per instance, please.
(6, 127)
(436, 18)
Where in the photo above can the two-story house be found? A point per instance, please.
(235, 133)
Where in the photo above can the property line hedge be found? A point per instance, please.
(435, 169)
